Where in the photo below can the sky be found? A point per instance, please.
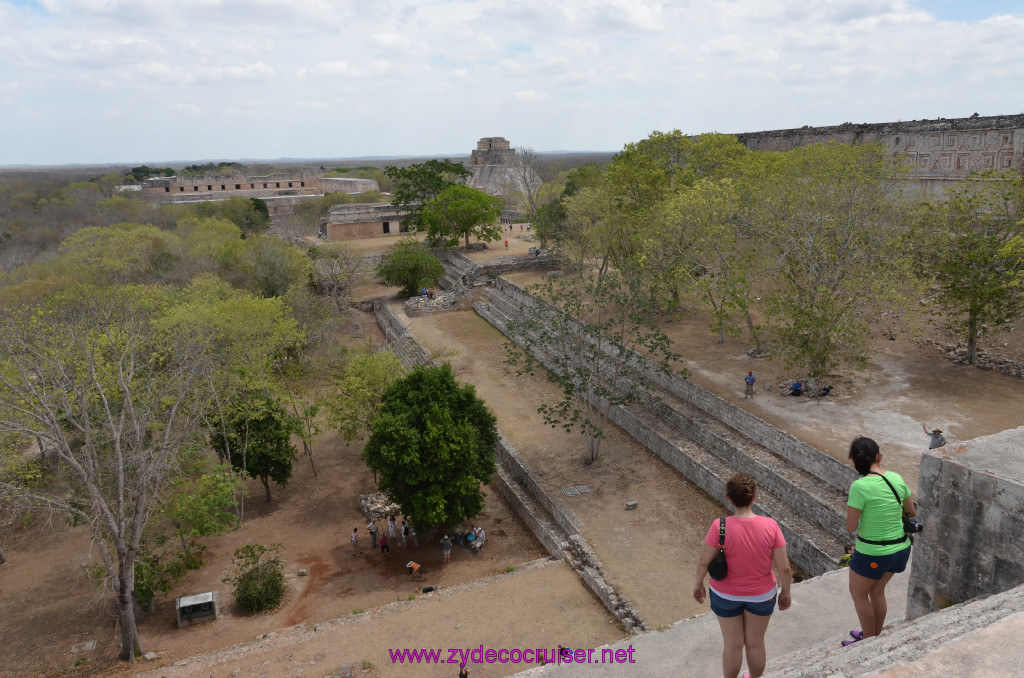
(134, 81)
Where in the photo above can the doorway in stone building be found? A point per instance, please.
(387, 227)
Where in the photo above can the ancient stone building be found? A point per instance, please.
(366, 220)
(939, 152)
(280, 191)
(492, 164)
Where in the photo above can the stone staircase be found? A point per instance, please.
(456, 266)
(808, 505)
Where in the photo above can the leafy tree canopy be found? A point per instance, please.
(415, 185)
(410, 265)
(432, 446)
(461, 211)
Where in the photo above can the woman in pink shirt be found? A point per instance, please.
(744, 600)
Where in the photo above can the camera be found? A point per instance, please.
(912, 525)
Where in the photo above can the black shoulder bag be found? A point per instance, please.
(718, 568)
(910, 525)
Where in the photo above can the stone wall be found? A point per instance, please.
(776, 440)
(971, 500)
(938, 152)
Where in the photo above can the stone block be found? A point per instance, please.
(631, 505)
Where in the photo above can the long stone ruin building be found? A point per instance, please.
(279, 190)
(939, 152)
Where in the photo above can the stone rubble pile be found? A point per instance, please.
(377, 506)
(958, 354)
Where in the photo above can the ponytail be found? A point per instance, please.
(863, 452)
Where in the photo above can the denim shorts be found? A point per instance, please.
(875, 567)
(734, 608)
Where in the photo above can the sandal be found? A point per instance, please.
(848, 643)
(857, 635)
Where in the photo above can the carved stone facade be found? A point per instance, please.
(491, 164)
(938, 152)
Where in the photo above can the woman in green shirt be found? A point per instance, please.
(882, 549)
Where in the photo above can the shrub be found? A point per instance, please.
(409, 265)
(258, 578)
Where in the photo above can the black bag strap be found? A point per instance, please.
(721, 534)
(886, 542)
(894, 492)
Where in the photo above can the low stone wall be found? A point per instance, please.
(971, 500)
(815, 462)
(402, 342)
(521, 473)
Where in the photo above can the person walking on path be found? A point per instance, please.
(506, 243)
(878, 500)
(446, 548)
(936, 438)
(405, 535)
(385, 550)
(412, 537)
(355, 540)
(749, 380)
(372, 527)
(745, 598)
(392, 527)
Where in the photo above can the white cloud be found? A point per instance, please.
(531, 95)
(598, 73)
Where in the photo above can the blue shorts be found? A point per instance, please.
(875, 567)
(734, 608)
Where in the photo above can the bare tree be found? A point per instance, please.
(90, 376)
(525, 180)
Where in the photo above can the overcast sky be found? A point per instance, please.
(91, 81)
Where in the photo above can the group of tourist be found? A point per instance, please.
(750, 545)
(392, 533)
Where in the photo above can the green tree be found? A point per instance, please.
(461, 211)
(831, 235)
(416, 185)
(258, 578)
(358, 391)
(118, 403)
(258, 443)
(588, 332)
(273, 265)
(410, 265)
(432, 446)
(976, 253)
(197, 505)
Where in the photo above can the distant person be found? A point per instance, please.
(372, 529)
(749, 381)
(506, 243)
(405, 535)
(385, 550)
(464, 672)
(480, 538)
(878, 500)
(844, 560)
(796, 389)
(936, 438)
(745, 598)
(414, 570)
(392, 527)
(412, 536)
(446, 548)
(355, 540)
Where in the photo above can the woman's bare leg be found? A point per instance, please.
(754, 627)
(879, 606)
(860, 590)
(732, 652)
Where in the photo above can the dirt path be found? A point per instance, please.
(648, 553)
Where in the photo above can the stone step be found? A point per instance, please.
(901, 644)
(812, 546)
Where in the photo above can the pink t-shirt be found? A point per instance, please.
(749, 543)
